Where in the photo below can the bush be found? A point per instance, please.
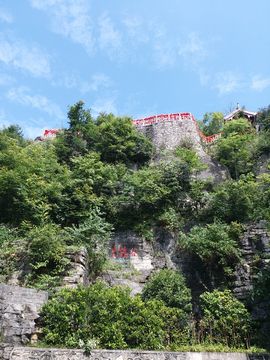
(214, 243)
(233, 201)
(227, 318)
(169, 287)
(112, 317)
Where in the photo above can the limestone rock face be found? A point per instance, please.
(78, 269)
(163, 252)
(216, 172)
(167, 135)
(19, 313)
(133, 261)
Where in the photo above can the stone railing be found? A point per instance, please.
(174, 117)
(155, 120)
(11, 352)
(50, 133)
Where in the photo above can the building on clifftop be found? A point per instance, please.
(250, 115)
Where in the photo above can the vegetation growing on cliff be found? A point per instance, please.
(76, 189)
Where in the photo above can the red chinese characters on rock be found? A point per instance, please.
(123, 254)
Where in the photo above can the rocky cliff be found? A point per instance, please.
(134, 269)
(167, 135)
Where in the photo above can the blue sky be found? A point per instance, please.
(134, 57)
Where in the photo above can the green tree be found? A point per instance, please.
(30, 180)
(82, 131)
(146, 193)
(235, 201)
(115, 138)
(227, 318)
(212, 123)
(169, 287)
(110, 315)
(263, 118)
(216, 244)
(119, 141)
(235, 149)
(16, 132)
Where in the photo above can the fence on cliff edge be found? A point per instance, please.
(155, 120)
(170, 117)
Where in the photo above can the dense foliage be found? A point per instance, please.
(110, 315)
(212, 123)
(216, 244)
(77, 188)
(227, 318)
(169, 287)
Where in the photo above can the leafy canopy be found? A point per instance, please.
(228, 319)
(110, 315)
(236, 148)
(216, 244)
(211, 124)
(114, 138)
(169, 287)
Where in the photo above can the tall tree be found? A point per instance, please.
(212, 123)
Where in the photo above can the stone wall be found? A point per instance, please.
(168, 134)
(9, 352)
(19, 306)
(19, 313)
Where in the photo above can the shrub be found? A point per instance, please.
(227, 318)
(214, 244)
(169, 287)
(112, 317)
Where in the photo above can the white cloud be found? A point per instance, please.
(70, 18)
(194, 51)
(204, 76)
(21, 96)
(259, 84)
(106, 103)
(227, 82)
(33, 131)
(24, 56)
(164, 54)
(5, 16)
(70, 81)
(3, 120)
(110, 40)
(135, 29)
(6, 79)
(100, 79)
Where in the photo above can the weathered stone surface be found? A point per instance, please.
(166, 135)
(128, 249)
(8, 352)
(164, 253)
(140, 259)
(78, 269)
(19, 312)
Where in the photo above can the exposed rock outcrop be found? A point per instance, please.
(77, 270)
(19, 313)
(163, 252)
(167, 135)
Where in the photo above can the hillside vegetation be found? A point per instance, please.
(76, 189)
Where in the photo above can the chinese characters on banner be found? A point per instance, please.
(123, 254)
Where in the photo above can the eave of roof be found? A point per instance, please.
(234, 112)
